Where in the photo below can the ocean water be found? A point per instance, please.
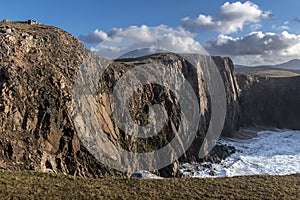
(270, 152)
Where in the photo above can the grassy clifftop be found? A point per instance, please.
(28, 185)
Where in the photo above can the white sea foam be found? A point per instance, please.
(271, 152)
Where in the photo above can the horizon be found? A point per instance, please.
(251, 33)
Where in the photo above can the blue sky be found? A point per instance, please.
(253, 32)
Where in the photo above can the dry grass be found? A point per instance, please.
(275, 73)
(30, 185)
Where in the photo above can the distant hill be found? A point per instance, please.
(290, 66)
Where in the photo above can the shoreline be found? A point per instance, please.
(258, 151)
(246, 133)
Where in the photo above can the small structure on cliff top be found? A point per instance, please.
(32, 22)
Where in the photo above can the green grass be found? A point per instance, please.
(33, 185)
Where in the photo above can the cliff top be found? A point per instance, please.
(29, 26)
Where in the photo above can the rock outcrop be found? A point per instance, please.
(152, 94)
(38, 65)
(269, 98)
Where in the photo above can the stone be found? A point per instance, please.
(32, 22)
(8, 31)
(212, 173)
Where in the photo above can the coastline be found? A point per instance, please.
(258, 151)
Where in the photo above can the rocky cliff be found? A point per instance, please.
(150, 94)
(39, 66)
(269, 98)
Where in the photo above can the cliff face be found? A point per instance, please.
(270, 99)
(38, 66)
(150, 94)
(38, 69)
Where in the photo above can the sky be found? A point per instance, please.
(257, 32)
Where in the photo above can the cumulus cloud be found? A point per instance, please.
(97, 36)
(231, 18)
(257, 47)
(119, 41)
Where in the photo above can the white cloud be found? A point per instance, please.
(281, 28)
(119, 41)
(257, 47)
(232, 17)
(255, 27)
(94, 37)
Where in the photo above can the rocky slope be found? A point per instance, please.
(38, 69)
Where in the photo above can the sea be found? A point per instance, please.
(275, 152)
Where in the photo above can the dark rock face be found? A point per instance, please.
(269, 101)
(219, 153)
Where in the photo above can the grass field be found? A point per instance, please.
(33, 185)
